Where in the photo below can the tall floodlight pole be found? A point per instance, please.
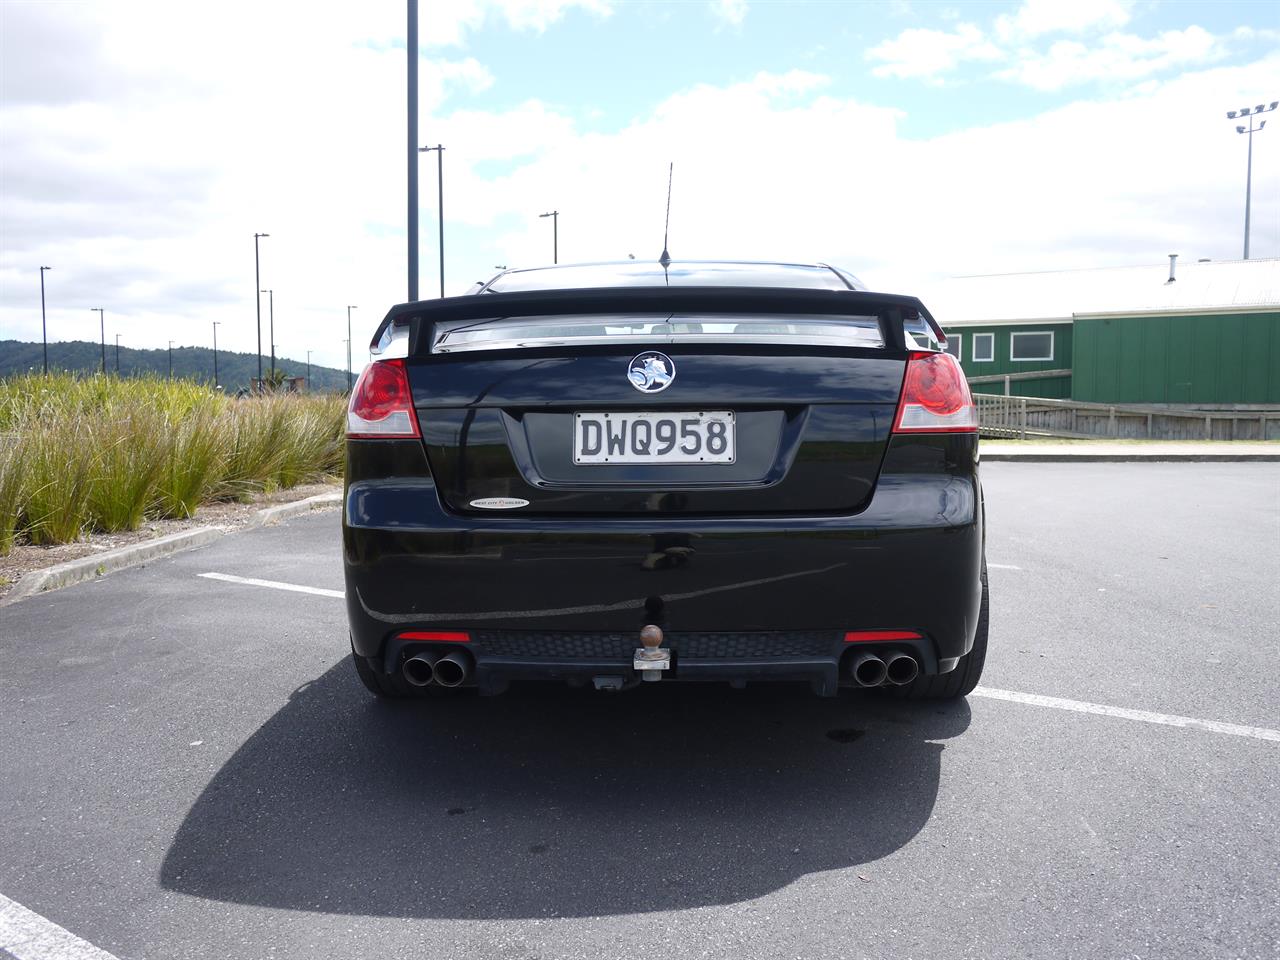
(257, 299)
(439, 151)
(350, 307)
(44, 326)
(411, 46)
(1248, 177)
(271, 313)
(117, 354)
(555, 234)
(170, 359)
(102, 330)
(215, 353)
(308, 370)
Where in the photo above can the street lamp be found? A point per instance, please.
(555, 234)
(170, 359)
(117, 354)
(308, 371)
(44, 326)
(215, 353)
(439, 202)
(257, 299)
(271, 308)
(350, 307)
(102, 330)
(1248, 178)
(411, 49)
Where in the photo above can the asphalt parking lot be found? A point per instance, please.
(189, 768)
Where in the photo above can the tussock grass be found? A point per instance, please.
(13, 465)
(98, 453)
(195, 450)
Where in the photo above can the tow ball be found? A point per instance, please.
(651, 659)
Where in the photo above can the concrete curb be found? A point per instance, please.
(99, 564)
(283, 511)
(92, 567)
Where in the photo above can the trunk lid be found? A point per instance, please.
(805, 388)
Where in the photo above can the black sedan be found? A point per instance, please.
(618, 473)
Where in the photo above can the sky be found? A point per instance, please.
(142, 144)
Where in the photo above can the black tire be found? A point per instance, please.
(377, 682)
(960, 681)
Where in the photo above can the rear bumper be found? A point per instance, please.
(909, 561)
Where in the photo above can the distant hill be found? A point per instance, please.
(235, 370)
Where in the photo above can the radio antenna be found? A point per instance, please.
(666, 227)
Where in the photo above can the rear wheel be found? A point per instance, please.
(960, 681)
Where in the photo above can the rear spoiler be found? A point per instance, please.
(417, 320)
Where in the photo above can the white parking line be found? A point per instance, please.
(1144, 716)
(1031, 699)
(1003, 566)
(28, 936)
(274, 585)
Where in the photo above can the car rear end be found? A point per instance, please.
(778, 484)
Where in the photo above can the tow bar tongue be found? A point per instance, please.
(651, 659)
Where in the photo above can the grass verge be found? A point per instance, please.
(98, 453)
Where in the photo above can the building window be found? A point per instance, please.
(1031, 346)
(984, 348)
(953, 345)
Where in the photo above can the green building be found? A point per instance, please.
(1205, 333)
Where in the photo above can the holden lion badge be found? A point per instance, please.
(651, 372)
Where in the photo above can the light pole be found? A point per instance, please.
(215, 353)
(117, 354)
(350, 307)
(102, 330)
(411, 48)
(308, 371)
(555, 234)
(257, 299)
(44, 326)
(1248, 177)
(439, 203)
(170, 359)
(271, 312)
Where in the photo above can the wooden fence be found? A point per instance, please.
(1022, 417)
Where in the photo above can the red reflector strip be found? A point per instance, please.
(864, 636)
(437, 637)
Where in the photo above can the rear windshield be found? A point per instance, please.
(554, 331)
(678, 274)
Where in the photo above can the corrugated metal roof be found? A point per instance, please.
(1213, 286)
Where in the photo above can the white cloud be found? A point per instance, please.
(729, 12)
(1106, 54)
(1039, 17)
(1113, 58)
(447, 22)
(926, 53)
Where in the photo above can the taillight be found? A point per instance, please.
(935, 397)
(382, 403)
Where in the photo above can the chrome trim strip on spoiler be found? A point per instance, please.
(413, 319)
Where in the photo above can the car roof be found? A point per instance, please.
(675, 273)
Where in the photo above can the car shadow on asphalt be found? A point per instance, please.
(552, 802)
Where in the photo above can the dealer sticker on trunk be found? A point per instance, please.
(669, 437)
(499, 503)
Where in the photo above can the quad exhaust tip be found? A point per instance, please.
(900, 668)
(452, 669)
(420, 670)
(868, 670)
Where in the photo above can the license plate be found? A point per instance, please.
(702, 437)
